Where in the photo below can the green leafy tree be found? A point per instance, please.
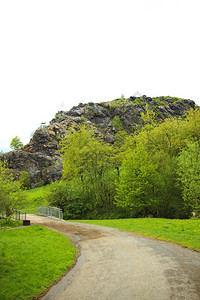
(192, 125)
(88, 160)
(16, 143)
(84, 154)
(25, 180)
(189, 175)
(167, 194)
(141, 172)
(71, 197)
(10, 193)
(135, 188)
(148, 181)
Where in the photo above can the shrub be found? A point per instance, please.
(116, 122)
(25, 180)
(83, 118)
(10, 192)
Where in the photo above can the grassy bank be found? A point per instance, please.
(31, 259)
(183, 232)
(34, 197)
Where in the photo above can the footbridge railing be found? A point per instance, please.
(50, 211)
(20, 215)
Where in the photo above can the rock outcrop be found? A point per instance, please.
(40, 157)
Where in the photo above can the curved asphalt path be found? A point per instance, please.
(116, 265)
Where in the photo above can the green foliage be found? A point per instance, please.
(183, 232)
(88, 173)
(71, 197)
(7, 223)
(116, 122)
(162, 100)
(84, 154)
(192, 125)
(138, 101)
(113, 106)
(88, 107)
(34, 197)
(158, 102)
(148, 117)
(87, 200)
(157, 191)
(10, 192)
(155, 172)
(25, 180)
(16, 143)
(83, 118)
(189, 175)
(115, 103)
(135, 188)
(31, 261)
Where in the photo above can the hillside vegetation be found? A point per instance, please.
(134, 157)
(152, 173)
(40, 159)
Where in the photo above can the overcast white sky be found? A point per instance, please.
(55, 54)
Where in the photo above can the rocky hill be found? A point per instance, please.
(40, 157)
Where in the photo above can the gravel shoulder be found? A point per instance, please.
(121, 265)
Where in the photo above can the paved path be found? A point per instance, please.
(117, 265)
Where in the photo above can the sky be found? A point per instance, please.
(56, 54)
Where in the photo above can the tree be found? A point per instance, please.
(25, 180)
(135, 188)
(141, 172)
(189, 176)
(10, 193)
(84, 154)
(87, 159)
(16, 143)
(148, 180)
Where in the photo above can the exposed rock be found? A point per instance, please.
(40, 157)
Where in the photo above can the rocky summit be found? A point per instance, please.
(40, 157)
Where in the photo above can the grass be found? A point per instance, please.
(34, 197)
(31, 259)
(183, 232)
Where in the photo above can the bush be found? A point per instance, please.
(71, 198)
(116, 122)
(10, 192)
(25, 180)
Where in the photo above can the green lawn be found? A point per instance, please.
(184, 232)
(34, 197)
(31, 259)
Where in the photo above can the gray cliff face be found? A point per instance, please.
(40, 157)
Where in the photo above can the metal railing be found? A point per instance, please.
(50, 211)
(20, 215)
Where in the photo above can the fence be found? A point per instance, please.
(50, 211)
(20, 215)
